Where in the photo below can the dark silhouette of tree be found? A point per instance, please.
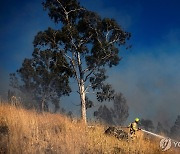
(70, 115)
(86, 43)
(120, 109)
(161, 130)
(45, 77)
(116, 115)
(175, 130)
(104, 115)
(10, 95)
(147, 124)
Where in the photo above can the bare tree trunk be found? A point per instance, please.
(83, 101)
(82, 91)
(42, 105)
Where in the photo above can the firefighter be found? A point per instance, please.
(133, 127)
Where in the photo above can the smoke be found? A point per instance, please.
(150, 82)
(124, 14)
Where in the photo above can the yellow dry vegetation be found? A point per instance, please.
(28, 132)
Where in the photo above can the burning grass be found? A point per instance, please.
(26, 131)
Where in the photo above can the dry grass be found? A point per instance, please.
(27, 132)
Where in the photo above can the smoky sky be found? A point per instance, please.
(148, 74)
(151, 82)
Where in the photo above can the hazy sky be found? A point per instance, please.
(148, 75)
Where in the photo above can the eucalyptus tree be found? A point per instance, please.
(87, 43)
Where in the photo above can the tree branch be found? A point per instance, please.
(73, 65)
(75, 10)
(89, 75)
(65, 12)
(87, 88)
(62, 6)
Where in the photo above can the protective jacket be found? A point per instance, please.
(134, 126)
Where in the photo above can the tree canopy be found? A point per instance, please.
(82, 48)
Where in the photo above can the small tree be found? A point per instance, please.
(116, 115)
(104, 115)
(147, 124)
(161, 130)
(175, 130)
(120, 109)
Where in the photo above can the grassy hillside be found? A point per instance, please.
(26, 131)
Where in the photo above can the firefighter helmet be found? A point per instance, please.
(137, 120)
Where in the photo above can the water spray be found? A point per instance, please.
(159, 136)
(153, 134)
